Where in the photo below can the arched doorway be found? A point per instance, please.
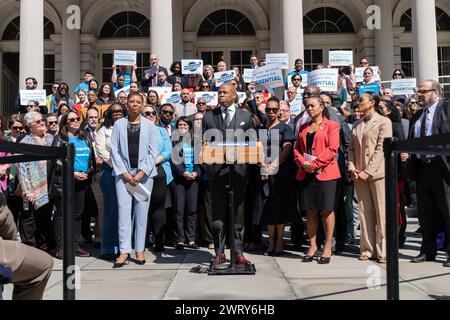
(127, 30)
(226, 35)
(339, 31)
(10, 63)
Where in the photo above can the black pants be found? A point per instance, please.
(340, 215)
(186, 193)
(220, 213)
(433, 204)
(157, 211)
(80, 197)
(36, 226)
(90, 211)
(207, 229)
(15, 206)
(297, 227)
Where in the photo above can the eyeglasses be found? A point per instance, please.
(296, 79)
(311, 94)
(149, 113)
(205, 87)
(201, 104)
(413, 102)
(55, 87)
(274, 110)
(168, 112)
(425, 91)
(51, 123)
(364, 62)
(72, 120)
(397, 74)
(17, 128)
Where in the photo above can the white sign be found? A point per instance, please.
(325, 79)
(359, 74)
(161, 90)
(33, 95)
(268, 76)
(210, 97)
(124, 89)
(340, 58)
(125, 58)
(248, 75)
(296, 105)
(171, 97)
(192, 66)
(403, 86)
(242, 96)
(224, 77)
(278, 58)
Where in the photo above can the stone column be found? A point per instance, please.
(384, 40)
(70, 51)
(177, 29)
(425, 36)
(189, 47)
(161, 27)
(292, 11)
(31, 41)
(276, 34)
(263, 37)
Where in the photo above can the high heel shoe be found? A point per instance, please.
(121, 264)
(138, 261)
(307, 258)
(324, 260)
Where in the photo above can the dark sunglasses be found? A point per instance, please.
(274, 110)
(50, 123)
(149, 113)
(201, 104)
(205, 86)
(72, 120)
(17, 128)
(397, 74)
(296, 79)
(168, 112)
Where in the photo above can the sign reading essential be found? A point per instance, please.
(325, 79)
(125, 58)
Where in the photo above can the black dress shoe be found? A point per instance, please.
(422, 258)
(121, 264)
(307, 258)
(446, 263)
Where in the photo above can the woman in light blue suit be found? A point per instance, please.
(157, 213)
(134, 148)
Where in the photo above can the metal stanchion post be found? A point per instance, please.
(68, 212)
(392, 271)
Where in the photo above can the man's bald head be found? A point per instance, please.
(227, 95)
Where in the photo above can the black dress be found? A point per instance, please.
(315, 194)
(276, 201)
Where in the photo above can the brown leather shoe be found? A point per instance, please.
(219, 259)
(239, 259)
(79, 252)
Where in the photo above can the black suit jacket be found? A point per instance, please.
(441, 124)
(147, 83)
(214, 120)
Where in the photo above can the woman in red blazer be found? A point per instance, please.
(315, 155)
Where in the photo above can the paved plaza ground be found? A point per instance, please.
(168, 276)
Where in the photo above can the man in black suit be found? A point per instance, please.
(226, 117)
(151, 75)
(432, 173)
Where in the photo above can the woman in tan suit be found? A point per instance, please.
(366, 166)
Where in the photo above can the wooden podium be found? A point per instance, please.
(233, 153)
(229, 154)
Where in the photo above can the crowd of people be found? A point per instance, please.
(328, 171)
